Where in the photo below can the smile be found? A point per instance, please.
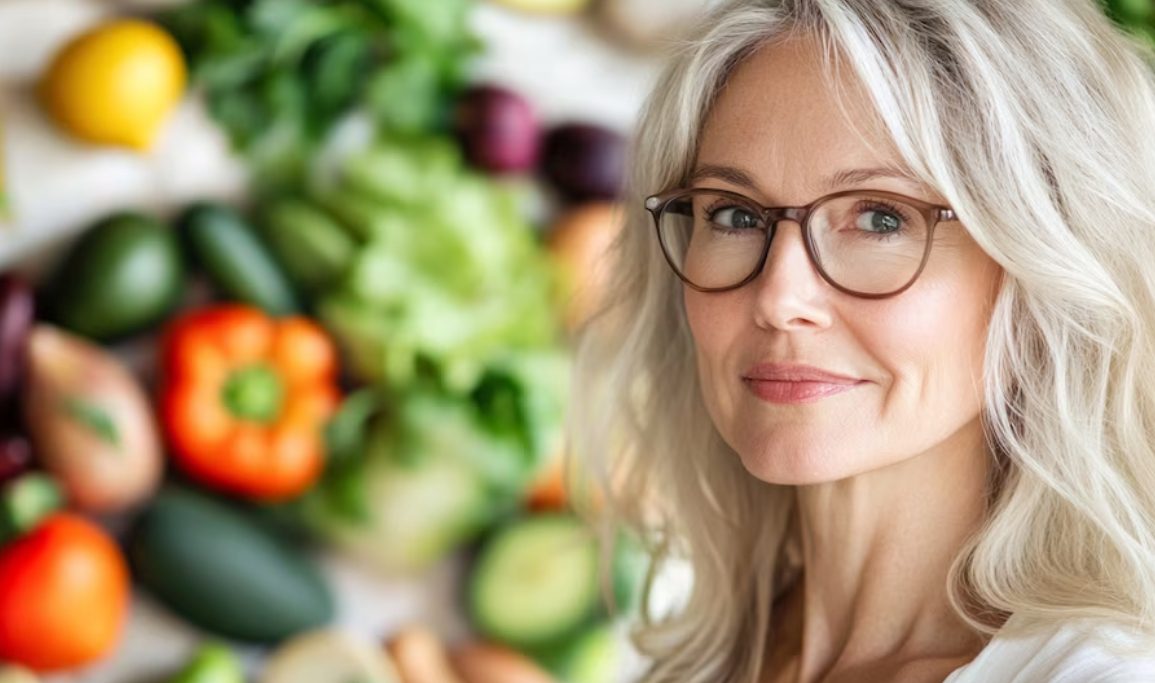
(780, 391)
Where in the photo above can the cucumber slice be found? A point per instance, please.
(536, 582)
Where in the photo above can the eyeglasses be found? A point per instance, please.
(864, 243)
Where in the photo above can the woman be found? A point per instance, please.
(902, 431)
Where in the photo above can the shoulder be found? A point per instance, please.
(1072, 652)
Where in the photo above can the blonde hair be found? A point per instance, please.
(1035, 119)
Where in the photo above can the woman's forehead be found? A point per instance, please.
(786, 121)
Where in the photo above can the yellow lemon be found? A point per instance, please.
(116, 84)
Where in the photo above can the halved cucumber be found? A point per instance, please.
(536, 581)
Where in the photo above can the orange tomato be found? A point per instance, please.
(64, 594)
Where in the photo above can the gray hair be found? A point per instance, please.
(1035, 119)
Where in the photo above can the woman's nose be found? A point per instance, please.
(789, 292)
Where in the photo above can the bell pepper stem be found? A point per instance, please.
(254, 392)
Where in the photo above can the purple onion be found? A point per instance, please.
(585, 161)
(15, 456)
(17, 311)
(498, 130)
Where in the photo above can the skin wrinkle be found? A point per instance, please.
(890, 477)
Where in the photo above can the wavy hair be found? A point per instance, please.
(1035, 119)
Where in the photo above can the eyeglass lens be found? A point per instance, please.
(866, 243)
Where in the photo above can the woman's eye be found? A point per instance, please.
(734, 218)
(879, 221)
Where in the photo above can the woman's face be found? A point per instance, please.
(916, 358)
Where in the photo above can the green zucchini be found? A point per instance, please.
(229, 252)
(213, 566)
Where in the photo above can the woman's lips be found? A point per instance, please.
(779, 391)
(787, 382)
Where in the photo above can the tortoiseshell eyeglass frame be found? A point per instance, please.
(772, 215)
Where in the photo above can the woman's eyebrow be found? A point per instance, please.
(730, 174)
(831, 183)
(857, 175)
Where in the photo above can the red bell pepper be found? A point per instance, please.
(245, 399)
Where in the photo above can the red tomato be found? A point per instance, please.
(64, 592)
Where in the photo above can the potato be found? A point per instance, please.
(329, 655)
(90, 422)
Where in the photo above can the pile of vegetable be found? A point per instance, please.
(257, 433)
(369, 357)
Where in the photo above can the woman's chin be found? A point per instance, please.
(788, 474)
(789, 467)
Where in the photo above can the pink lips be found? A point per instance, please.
(789, 383)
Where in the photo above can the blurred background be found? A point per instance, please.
(288, 292)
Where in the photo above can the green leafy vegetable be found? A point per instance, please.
(450, 275)
(279, 74)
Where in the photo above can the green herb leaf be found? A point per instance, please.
(347, 432)
(278, 75)
(95, 418)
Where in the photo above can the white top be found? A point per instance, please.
(1071, 653)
